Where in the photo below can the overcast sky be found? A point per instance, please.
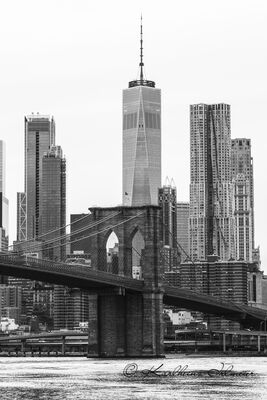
(72, 59)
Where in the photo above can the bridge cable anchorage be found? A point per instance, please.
(94, 233)
(54, 230)
(32, 247)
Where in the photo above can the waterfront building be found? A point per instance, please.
(27, 292)
(225, 280)
(8, 325)
(242, 173)
(141, 162)
(211, 216)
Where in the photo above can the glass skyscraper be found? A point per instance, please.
(39, 136)
(141, 141)
(53, 203)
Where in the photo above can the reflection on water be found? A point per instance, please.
(81, 378)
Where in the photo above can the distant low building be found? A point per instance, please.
(8, 324)
(181, 317)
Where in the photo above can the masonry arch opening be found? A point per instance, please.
(138, 246)
(112, 253)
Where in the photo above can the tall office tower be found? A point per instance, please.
(21, 217)
(53, 218)
(167, 202)
(242, 170)
(183, 228)
(211, 217)
(141, 141)
(39, 136)
(53, 203)
(3, 200)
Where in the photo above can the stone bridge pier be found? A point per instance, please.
(125, 323)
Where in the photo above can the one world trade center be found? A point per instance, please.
(141, 140)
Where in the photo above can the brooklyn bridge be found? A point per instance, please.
(125, 314)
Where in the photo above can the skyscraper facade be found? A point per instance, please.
(242, 171)
(211, 220)
(21, 217)
(53, 203)
(167, 202)
(141, 141)
(183, 228)
(53, 219)
(39, 136)
(3, 200)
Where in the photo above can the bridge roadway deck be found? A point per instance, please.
(70, 275)
(87, 278)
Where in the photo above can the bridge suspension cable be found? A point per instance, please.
(94, 233)
(33, 247)
(54, 230)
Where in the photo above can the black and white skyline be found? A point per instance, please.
(73, 59)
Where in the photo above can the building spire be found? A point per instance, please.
(141, 81)
(141, 64)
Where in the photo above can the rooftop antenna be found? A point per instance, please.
(141, 64)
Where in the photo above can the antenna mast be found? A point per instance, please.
(141, 64)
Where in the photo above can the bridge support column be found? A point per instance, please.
(153, 339)
(112, 325)
(93, 332)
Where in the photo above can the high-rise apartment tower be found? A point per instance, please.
(39, 136)
(167, 202)
(53, 204)
(211, 221)
(242, 170)
(141, 140)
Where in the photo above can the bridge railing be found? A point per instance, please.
(81, 271)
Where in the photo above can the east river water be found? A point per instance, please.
(175, 377)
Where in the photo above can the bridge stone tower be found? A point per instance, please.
(124, 322)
